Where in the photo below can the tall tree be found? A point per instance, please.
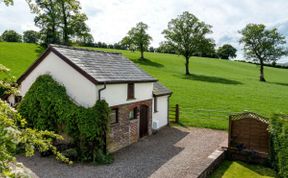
(79, 30)
(262, 45)
(73, 21)
(31, 36)
(139, 37)
(59, 20)
(11, 36)
(185, 33)
(47, 19)
(226, 51)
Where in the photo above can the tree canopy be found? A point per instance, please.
(262, 45)
(226, 51)
(138, 37)
(60, 21)
(7, 2)
(185, 33)
(11, 36)
(31, 36)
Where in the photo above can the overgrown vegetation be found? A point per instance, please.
(48, 107)
(279, 144)
(16, 136)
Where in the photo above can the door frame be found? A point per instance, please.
(144, 121)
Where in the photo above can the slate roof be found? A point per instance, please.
(160, 90)
(97, 66)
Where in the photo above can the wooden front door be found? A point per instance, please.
(143, 121)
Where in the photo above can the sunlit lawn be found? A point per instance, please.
(230, 169)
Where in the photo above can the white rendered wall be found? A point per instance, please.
(79, 88)
(116, 94)
(162, 111)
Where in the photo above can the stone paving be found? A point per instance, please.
(172, 152)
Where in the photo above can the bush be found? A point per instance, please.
(279, 144)
(71, 153)
(48, 107)
(11, 36)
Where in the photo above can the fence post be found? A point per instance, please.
(177, 114)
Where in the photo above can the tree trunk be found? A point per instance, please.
(142, 52)
(187, 65)
(65, 24)
(262, 79)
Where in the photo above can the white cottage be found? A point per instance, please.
(139, 103)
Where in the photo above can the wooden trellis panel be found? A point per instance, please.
(249, 131)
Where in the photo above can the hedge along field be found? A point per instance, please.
(225, 86)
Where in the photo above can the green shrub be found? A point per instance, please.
(47, 107)
(71, 153)
(279, 144)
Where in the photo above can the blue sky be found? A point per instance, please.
(110, 20)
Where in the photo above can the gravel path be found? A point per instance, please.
(172, 152)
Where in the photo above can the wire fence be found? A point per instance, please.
(177, 113)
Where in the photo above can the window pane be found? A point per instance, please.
(130, 91)
(131, 114)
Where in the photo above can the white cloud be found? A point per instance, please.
(110, 20)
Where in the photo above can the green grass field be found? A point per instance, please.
(237, 169)
(215, 88)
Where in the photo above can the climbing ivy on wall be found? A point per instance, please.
(48, 107)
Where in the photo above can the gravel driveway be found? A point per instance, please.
(172, 152)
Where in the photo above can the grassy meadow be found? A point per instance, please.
(215, 89)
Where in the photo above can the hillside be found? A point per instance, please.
(215, 88)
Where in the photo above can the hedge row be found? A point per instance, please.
(47, 107)
(279, 144)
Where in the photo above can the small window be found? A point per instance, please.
(133, 114)
(155, 105)
(114, 116)
(130, 92)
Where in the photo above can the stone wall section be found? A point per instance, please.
(126, 131)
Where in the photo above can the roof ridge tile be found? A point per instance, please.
(82, 49)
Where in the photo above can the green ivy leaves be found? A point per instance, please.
(48, 107)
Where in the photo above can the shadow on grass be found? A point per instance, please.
(148, 62)
(259, 169)
(220, 171)
(279, 83)
(212, 79)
